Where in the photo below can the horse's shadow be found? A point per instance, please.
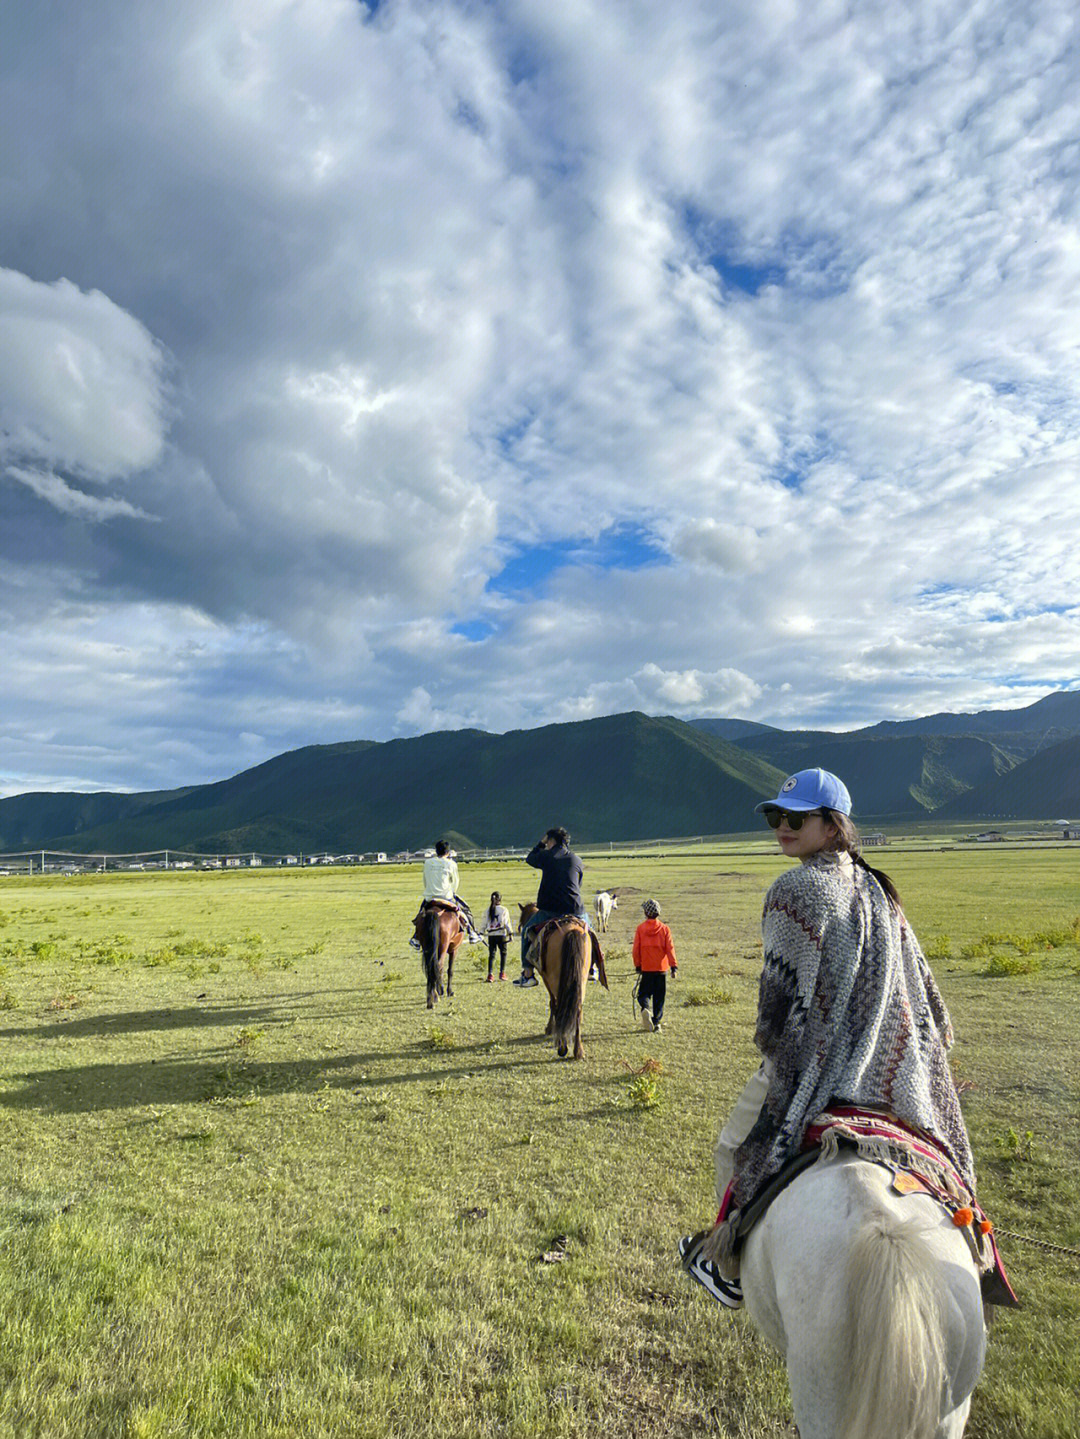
(91, 1088)
(281, 1009)
(224, 1071)
(101, 1026)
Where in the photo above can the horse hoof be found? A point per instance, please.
(563, 1052)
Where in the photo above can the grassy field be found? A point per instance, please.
(249, 1186)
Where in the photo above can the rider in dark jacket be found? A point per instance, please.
(559, 893)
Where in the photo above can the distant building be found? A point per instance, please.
(990, 836)
(878, 838)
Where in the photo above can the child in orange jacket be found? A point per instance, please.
(654, 955)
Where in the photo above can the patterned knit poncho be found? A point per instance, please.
(848, 1012)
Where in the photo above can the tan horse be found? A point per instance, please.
(438, 929)
(566, 947)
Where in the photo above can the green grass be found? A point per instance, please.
(251, 1186)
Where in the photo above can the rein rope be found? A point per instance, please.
(1038, 1243)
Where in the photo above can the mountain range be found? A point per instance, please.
(627, 776)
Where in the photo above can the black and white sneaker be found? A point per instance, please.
(415, 943)
(526, 981)
(725, 1291)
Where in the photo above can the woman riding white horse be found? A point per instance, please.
(875, 1307)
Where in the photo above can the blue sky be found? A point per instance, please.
(366, 370)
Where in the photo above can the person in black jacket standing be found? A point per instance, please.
(559, 892)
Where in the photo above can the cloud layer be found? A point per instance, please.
(365, 370)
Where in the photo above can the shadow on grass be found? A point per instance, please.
(148, 1020)
(282, 1009)
(361, 1000)
(89, 1088)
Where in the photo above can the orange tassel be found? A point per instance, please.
(962, 1217)
(985, 1227)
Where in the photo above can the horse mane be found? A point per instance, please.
(571, 976)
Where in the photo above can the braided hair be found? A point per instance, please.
(847, 842)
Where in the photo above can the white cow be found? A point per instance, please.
(605, 903)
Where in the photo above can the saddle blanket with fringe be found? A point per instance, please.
(898, 1146)
(918, 1166)
(544, 933)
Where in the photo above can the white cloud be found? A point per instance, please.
(357, 309)
(659, 691)
(419, 716)
(81, 381)
(70, 501)
(723, 547)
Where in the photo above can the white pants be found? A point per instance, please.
(738, 1125)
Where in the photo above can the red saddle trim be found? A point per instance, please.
(877, 1125)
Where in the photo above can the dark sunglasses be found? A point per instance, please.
(794, 819)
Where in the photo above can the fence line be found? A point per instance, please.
(37, 861)
(57, 861)
(43, 861)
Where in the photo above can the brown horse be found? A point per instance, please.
(566, 948)
(439, 932)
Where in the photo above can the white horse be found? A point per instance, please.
(873, 1301)
(605, 903)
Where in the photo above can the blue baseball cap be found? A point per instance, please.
(810, 789)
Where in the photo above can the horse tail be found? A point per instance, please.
(430, 950)
(898, 1344)
(571, 975)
